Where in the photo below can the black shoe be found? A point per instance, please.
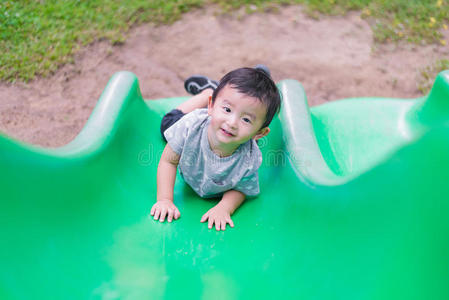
(264, 69)
(197, 83)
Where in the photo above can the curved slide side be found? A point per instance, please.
(60, 207)
(336, 142)
(121, 92)
(299, 136)
(435, 108)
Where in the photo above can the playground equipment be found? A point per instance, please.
(354, 204)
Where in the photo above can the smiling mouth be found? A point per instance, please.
(227, 133)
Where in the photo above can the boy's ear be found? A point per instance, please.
(209, 106)
(261, 133)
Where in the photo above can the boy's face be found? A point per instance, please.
(235, 118)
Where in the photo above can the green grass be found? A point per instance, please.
(36, 37)
(392, 20)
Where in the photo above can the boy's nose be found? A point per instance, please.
(232, 121)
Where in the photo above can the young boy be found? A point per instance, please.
(215, 147)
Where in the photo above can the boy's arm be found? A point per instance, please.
(166, 176)
(221, 213)
(231, 200)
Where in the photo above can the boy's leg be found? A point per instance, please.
(197, 83)
(198, 101)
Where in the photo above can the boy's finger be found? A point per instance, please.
(152, 210)
(170, 215)
(163, 214)
(217, 225)
(231, 223)
(223, 225)
(204, 217)
(156, 214)
(210, 223)
(177, 214)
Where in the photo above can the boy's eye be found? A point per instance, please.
(226, 109)
(246, 120)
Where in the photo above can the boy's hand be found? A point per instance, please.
(218, 215)
(164, 208)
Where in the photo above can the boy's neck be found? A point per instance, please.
(222, 150)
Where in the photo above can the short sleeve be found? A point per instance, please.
(175, 136)
(249, 185)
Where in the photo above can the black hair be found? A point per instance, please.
(255, 83)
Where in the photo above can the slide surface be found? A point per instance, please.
(354, 204)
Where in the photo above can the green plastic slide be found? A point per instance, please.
(354, 204)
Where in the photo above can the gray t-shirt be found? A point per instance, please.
(207, 173)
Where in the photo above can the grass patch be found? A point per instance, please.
(36, 37)
(417, 22)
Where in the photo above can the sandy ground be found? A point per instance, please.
(333, 58)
